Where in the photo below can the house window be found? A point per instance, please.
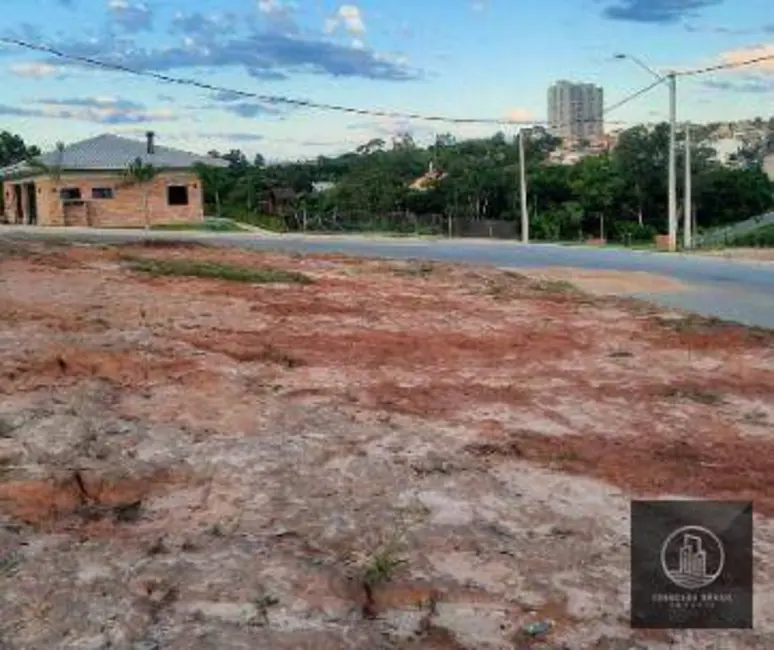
(70, 193)
(101, 192)
(177, 195)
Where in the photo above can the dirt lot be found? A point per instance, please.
(386, 455)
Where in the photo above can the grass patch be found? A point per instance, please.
(381, 568)
(215, 271)
(554, 286)
(416, 269)
(208, 225)
(697, 324)
(706, 397)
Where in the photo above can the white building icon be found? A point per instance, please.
(693, 558)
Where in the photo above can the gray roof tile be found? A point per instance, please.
(111, 152)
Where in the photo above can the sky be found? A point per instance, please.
(490, 59)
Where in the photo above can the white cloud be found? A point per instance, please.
(35, 69)
(132, 15)
(276, 10)
(478, 5)
(519, 115)
(104, 110)
(330, 25)
(738, 56)
(347, 17)
(352, 19)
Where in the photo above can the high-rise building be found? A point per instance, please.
(575, 110)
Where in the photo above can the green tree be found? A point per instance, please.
(597, 187)
(142, 174)
(214, 182)
(13, 149)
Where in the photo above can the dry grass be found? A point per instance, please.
(212, 270)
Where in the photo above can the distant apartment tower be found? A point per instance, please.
(575, 110)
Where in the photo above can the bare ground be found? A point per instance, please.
(399, 455)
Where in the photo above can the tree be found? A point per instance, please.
(54, 172)
(141, 174)
(214, 182)
(14, 150)
(597, 188)
(641, 170)
(723, 196)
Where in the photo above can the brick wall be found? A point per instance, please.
(125, 209)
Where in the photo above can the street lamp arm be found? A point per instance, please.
(641, 64)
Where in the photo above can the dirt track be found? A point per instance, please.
(193, 463)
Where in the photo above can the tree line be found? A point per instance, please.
(620, 194)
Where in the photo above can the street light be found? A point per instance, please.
(645, 67)
(671, 79)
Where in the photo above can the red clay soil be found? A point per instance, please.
(68, 365)
(725, 463)
(706, 465)
(271, 430)
(81, 500)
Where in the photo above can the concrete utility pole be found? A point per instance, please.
(523, 191)
(688, 199)
(672, 80)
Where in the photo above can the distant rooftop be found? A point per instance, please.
(112, 153)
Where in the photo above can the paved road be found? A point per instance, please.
(729, 289)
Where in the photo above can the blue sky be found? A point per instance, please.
(461, 58)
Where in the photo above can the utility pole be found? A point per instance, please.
(523, 191)
(688, 207)
(672, 81)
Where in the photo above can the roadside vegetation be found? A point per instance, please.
(208, 225)
(762, 237)
(471, 188)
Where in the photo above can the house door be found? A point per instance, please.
(17, 197)
(32, 204)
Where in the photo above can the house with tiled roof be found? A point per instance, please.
(85, 184)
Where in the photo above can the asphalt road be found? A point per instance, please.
(728, 289)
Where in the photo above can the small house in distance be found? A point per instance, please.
(84, 184)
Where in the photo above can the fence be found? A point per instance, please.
(724, 235)
(487, 228)
(404, 223)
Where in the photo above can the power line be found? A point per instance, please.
(726, 66)
(277, 99)
(632, 97)
(269, 99)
